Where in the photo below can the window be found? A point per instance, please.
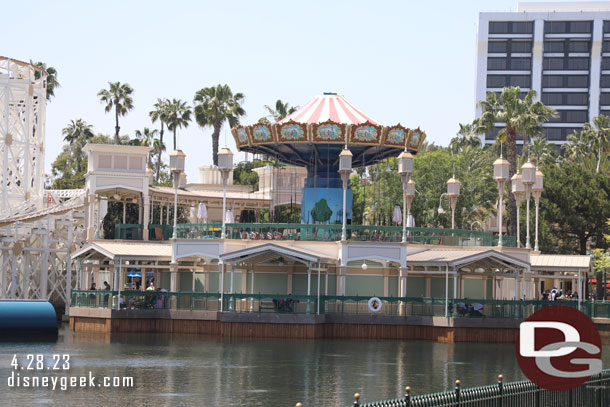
(578, 81)
(605, 81)
(578, 64)
(498, 27)
(577, 99)
(567, 27)
(496, 64)
(496, 81)
(579, 46)
(554, 27)
(496, 47)
(493, 134)
(553, 133)
(580, 27)
(522, 81)
(605, 63)
(606, 46)
(566, 99)
(552, 81)
(575, 116)
(552, 64)
(607, 26)
(520, 64)
(520, 46)
(554, 46)
(604, 99)
(506, 27)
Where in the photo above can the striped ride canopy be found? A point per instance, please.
(329, 106)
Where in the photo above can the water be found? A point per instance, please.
(189, 370)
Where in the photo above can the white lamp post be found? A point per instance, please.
(528, 177)
(501, 176)
(518, 190)
(225, 165)
(537, 189)
(453, 190)
(405, 169)
(345, 169)
(176, 166)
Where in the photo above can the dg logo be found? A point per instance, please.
(559, 348)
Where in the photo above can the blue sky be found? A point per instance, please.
(411, 62)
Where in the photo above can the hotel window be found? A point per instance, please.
(577, 99)
(495, 47)
(552, 64)
(605, 81)
(578, 64)
(604, 99)
(570, 116)
(554, 46)
(607, 26)
(579, 46)
(553, 133)
(566, 99)
(577, 81)
(520, 47)
(520, 64)
(605, 63)
(567, 27)
(606, 46)
(496, 64)
(507, 27)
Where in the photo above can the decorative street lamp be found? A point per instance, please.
(453, 190)
(225, 165)
(528, 177)
(501, 176)
(405, 169)
(537, 192)
(176, 166)
(518, 190)
(345, 169)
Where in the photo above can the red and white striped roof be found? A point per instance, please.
(329, 106)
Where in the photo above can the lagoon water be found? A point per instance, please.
(192, 370)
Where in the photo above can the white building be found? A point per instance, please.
(561, 50)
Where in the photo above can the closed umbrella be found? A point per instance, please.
(410, 221)
(397, 215)
(202, 212)
(229, 218)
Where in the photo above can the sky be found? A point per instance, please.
(408, 62)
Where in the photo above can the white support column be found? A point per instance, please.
(221, 284)
(44, 265)
(596, 60)
(308, 287)
(537, 56)
(326, 283)
(455, 284)
(232, 300)
(146, 220)
(124, 212)
(252, 282)
(319, 288)
(446, 289)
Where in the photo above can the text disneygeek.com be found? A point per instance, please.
(17, 380)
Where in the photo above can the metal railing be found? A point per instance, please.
(127, 231)
(594, 392)
(338, 305)
(325, 232)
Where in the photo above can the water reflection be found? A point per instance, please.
(185, 370)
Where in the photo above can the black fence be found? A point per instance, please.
(595, 392)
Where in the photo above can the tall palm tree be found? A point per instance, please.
(77, 133)
(159, 113)
(542, 151)
(178, 116)
(52, 82)
(536, 113)
(464, 137)
(214, 106)
(145, 137)
(514, 113)
(118, 95)
(281, 110)
(600, 130)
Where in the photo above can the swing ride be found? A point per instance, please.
(313, 137)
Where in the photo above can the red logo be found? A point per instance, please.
(559, 348)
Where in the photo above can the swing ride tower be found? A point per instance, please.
(314, 136)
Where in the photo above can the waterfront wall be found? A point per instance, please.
(296, 326)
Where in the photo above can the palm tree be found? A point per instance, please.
(178, 116)
(600, 129)
(514, 113)
(281, 110)
(159, 113)
(542, 151)
(214, 106)
(464, 137)
(52, 82)
(145, 137)
(536, 113)
(119, 96)
(77, 133)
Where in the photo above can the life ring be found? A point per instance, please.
(375, 304)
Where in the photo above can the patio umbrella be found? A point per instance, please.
(410, 221)
(397, 215)
(202, 212)
(229, 218)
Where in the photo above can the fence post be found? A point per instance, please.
(537, 396)
(356, 399)
(457, 393)
(500, 390)
(407, 396)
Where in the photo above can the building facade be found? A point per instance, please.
(560, 50)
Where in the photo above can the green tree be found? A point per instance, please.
(69, 168)
(517, 115)
(178, 116)
(159, 113)
(146, 137)
(77, 134)
(118, 96)
(464, 137)
(214, 106)
(280, 111)
(52, 82)
(542, 152)
(600, 129)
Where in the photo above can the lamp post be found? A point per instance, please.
(405, 169)
(345, 169)
(225, 165)
(453, 190)
(501, 176)
(518, 190)
(176, 166)
(528, 177)
(537, 192)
